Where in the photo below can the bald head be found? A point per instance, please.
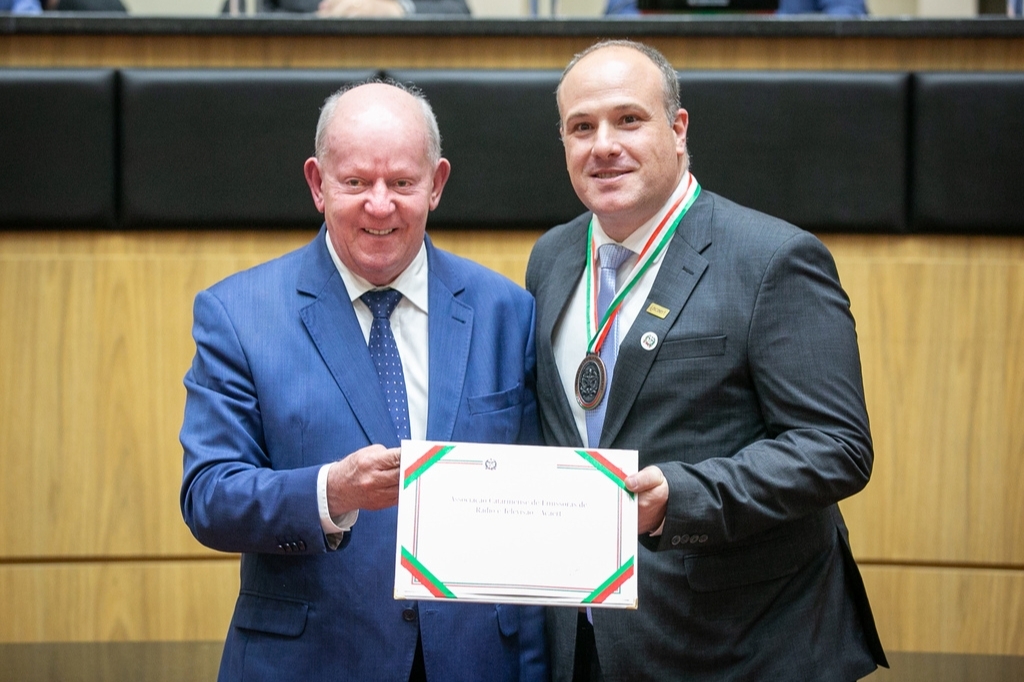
(625, 153)
(669, 78)
(376, 175)
(394, 101)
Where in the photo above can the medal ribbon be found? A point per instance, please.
(598, 330)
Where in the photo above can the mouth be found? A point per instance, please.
(608, 174)
(378, 233)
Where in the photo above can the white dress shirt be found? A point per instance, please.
(409, 325)
(570, 339)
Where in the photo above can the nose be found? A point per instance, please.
(378, 200)
(606, 143)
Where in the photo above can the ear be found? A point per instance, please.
(441, 173)
(679, 125)
(315, 182)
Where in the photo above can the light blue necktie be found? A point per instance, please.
(610, 257)
(384, 352)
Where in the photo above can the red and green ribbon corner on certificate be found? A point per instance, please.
(424, 462)
(617, 475)
(608, 587)
(409, 562)
(626, 570)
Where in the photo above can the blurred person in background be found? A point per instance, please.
(360, 8)
(837, 8)
(20, 6)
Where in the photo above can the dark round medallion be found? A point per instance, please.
(590, 382)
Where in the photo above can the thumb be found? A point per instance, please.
(645, 479)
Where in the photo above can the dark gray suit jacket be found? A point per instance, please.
(752, 404)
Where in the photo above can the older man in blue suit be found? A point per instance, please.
(308, 372)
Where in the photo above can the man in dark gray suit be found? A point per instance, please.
(721, 346)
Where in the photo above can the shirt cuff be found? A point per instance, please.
(332, 526)
(407, 6)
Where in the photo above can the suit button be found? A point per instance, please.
(409, 615)
(676, 540)
(703, 538)
(301, 545)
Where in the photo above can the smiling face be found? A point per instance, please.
(624, 156)
(375, 182)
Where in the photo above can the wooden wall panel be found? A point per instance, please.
(117, 601)
(941, 326)
(948, 610)
(95, 329)
(96, 338)
(916, 608)
(504, 52)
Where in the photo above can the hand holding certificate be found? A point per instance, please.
(516, 524)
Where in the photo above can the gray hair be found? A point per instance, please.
(669, 77)
(331, 103)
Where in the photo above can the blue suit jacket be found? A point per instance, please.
(282, 383)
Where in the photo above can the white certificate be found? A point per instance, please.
(516, 524)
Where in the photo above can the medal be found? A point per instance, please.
(592, 375)
(591, 378)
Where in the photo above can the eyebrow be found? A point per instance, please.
(618, 108)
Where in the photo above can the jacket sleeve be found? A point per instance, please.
(805, 372)
(232, 498)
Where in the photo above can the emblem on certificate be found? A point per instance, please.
(591, 378)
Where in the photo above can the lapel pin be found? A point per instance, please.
(658, 311)
(649, 341)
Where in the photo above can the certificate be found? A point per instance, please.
(516, 524)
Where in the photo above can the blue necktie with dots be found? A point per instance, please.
(384, 352)
(610, 257)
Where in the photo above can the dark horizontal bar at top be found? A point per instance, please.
(740, 26)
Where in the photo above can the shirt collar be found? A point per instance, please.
(412, 282)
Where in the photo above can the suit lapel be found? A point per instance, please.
(679, 273)
(450, 324)
(561, 284)
(334, 329)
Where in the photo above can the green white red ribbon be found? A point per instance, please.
(605, 466)
(608, 587)
(597, 328)
(427, 460)
(428, 579)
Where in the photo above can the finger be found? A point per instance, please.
(394, 457)
(647, 478)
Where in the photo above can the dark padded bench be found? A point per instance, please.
(57, 148)
(499, 129)
(832, 152)
(220, 147)
(968, 153)
(825, 151)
